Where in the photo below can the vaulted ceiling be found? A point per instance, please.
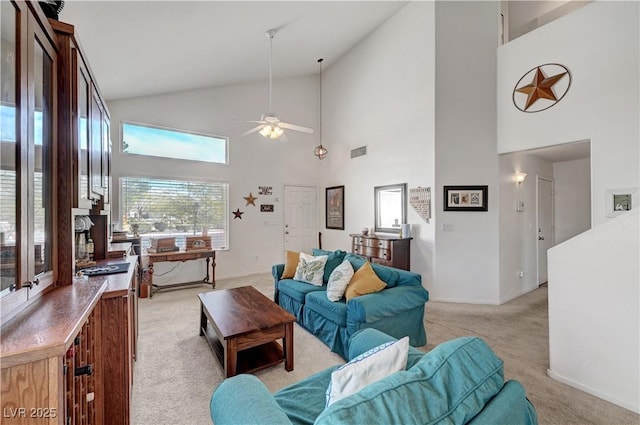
(138, 48)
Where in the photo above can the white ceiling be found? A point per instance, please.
(564, 152)
(139, 48)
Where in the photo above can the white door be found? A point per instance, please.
(545, 225)
(300, 221)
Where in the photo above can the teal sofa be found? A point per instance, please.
(459, 382)
(397, 310)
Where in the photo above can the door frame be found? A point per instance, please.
(553, 229)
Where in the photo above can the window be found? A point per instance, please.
(141, 139)
(175, 208)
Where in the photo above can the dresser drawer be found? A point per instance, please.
(372, 243)
(376, 252)
(366, 251)
(357, 240)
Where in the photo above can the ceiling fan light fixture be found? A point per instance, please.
(276, 132)
(270, 125)
(266, 131)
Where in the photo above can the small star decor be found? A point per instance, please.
(237, 214)
(251, 200)
(541, 88)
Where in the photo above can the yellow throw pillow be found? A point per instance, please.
(364, 281)
(290, 264)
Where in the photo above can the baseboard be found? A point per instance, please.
(587, 389)
(462, 301)
(523, 292)
(482, 302)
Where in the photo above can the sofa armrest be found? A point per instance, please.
(386, 303)
(243, 399)
(509, 406)
(276, 272)
(366, 339)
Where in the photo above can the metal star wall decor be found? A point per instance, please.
(251, 200)
(541, 87)
(237, 214)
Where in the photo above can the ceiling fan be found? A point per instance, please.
(269, 124)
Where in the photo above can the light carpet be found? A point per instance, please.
(176, 371)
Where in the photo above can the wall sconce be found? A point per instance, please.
(520, 178)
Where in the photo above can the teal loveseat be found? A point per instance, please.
(397, 310)
(459, 382)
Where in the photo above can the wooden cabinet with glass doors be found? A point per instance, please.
(83, 124)
(28, 111)
(84, 133)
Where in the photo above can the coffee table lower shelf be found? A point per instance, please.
(249, 360)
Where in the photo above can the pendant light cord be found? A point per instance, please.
(320, 123)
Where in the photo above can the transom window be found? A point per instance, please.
(139, 139)
(175, 208)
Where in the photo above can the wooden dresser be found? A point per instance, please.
(389, 250)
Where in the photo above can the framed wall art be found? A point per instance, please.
(466, 198)
(334, 205)
(619, 201)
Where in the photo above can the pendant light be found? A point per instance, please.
(320, 151)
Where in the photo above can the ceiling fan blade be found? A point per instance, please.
(253, 130)
(296, 127)
(256, 122)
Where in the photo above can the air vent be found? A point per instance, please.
(362, 150)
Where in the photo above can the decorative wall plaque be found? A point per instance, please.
(420, 200)
(541, 87)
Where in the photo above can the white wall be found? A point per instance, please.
(572, 198)
(594, 311)
(593, 277)
(600, 45)
(256, 241)
(518, 232)
(465, 152)
(381, 94)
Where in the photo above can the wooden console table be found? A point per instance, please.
(208, 254)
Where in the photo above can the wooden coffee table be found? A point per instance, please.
(246, 326)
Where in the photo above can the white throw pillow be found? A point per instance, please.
(367, 368)
(311, 269)
(338, 281)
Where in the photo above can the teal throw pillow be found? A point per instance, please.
(387, 274)
(335, 259)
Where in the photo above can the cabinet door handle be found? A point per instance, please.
(32, 283)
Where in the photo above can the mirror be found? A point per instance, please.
(390, 207)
